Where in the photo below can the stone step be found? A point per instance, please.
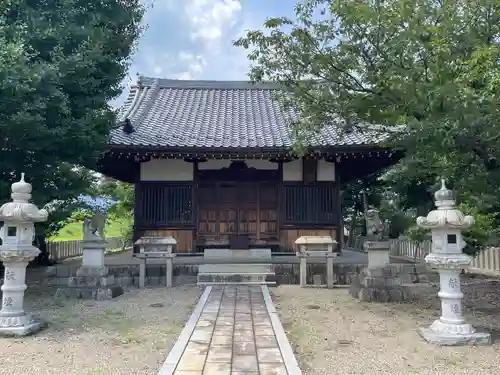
(268, 283)
(235, 268)
(234, 278)
(235, 256)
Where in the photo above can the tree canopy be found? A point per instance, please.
(61, 62)
(428, 67)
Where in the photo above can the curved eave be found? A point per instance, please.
(353, 162)
(122, 169)
(357, 167)
(129, 151)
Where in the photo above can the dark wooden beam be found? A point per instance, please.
(338, 204)
(195, 203)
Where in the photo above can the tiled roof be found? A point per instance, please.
(214, 114)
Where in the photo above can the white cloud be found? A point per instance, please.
(201, 48)
(210, 26)
(194, 65)
(210, 18)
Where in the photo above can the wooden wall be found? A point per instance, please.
(239, 200)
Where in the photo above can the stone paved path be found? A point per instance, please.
(234, 330)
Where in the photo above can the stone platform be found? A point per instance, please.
(447, 339)
(233, 330)
(91, 283)
(21, 325)
(389, 284)
(227, 266)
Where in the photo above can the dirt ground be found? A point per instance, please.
(131, 334)
(332, 333)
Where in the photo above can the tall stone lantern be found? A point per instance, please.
(16, 251)
(446, 224)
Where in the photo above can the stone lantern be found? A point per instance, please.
(446, 256)
(16, 251)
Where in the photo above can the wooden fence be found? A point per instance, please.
(410, 250)
(60, 250)
(488, 259)
(402, 247)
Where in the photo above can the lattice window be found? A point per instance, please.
(310, 204)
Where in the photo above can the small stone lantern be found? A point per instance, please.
(446, 224)
(16, 251)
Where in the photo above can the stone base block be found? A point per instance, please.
(92, 271)
(443, 339)
(18, 326)
(388, 284)
(97, 293)
(91, 281)
(379, 294)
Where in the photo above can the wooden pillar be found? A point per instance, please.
(340, 228)
(195, 206)
(138, 204)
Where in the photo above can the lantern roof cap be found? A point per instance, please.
(21, 209)
(444, 196)
(446, 215)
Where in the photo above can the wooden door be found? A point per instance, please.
(237, 208)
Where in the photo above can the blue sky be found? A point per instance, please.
(192, 39)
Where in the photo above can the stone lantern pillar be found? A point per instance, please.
(16, 251)
(446, 224)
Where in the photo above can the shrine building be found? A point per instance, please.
(213, 166)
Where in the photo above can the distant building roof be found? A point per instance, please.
(168, 113)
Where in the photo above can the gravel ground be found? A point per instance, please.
(332, 333)
(131, 334)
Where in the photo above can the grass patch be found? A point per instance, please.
(73, 231)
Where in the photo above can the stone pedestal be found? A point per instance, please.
(156, 247)
(312, 249)
(378, 253)
(92, 280)
(169, 270)
(380, 281)
(16, 251)
(14, 321)
(451, 328)
(305, 258)
(169, 267)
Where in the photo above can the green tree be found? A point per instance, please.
(61, 62)
(374, 65)
(357, 197)
(431, 65)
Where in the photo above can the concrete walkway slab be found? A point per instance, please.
(234, 330)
